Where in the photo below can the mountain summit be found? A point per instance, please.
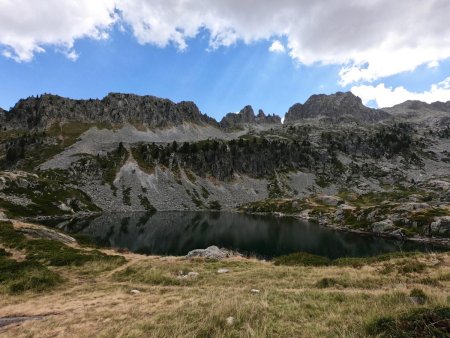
(334, 107)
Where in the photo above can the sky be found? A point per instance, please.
(225, 54)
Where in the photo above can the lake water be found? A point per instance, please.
(176, 233)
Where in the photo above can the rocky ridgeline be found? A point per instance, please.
(38, 113)
(334, 107)
(247, 117)
(149, 111)
(415, 105)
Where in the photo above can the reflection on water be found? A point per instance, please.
(176, 233)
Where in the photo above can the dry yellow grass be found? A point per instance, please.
(96, 301)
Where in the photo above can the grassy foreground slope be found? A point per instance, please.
(90, 294)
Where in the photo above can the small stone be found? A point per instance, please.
(192, 274)
(223, 271)
(189, 275)
(255, 291)
(135, 292)
(417, 300)
(230, 321)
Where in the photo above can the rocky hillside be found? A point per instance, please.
(333, 108)
(436, 114)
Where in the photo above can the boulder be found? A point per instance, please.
(212, 252)
(441, 226)
(438, 184)
(383, 226)
(329, 200)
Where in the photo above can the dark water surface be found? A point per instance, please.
(176, 233)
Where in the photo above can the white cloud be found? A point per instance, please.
(370, 39)
(28, 27)
(388, 97)
(277, 47)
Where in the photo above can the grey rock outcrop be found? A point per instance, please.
(441, 226)
(212, 252)
(149, 111)
(37, 231)
(334, 107)
(247, 117)
(383, 226)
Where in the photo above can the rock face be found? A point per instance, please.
(247, 117)
(43, 111)
(334, 107)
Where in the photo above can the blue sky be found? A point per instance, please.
(219, 55)
(218, 81)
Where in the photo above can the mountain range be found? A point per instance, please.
(64, 157)
(38, 113)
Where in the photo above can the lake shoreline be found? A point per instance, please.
(215, 237)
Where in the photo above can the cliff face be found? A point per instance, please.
(247, 117)
(334, 107)
(40, 112)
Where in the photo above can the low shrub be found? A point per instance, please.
(326, 283)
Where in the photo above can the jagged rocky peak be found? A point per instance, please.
(247, 117)
(334, 107)
(268, 119)
(150, 111)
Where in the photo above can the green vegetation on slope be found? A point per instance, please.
(33, 272)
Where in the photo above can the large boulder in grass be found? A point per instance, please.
(212, 252)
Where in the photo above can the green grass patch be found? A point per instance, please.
(302, 259)
(419, 323)
(306, 259)
(17, 277)
(149, 275)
